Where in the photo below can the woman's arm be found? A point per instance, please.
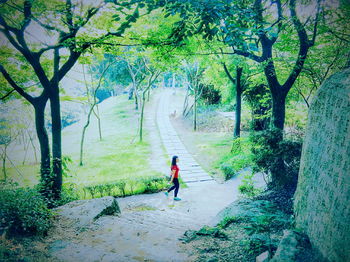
(172, 175)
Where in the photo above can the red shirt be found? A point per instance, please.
(176, 168)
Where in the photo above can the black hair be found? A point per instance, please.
(173, 161)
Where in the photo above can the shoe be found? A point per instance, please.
(166, 193)
(177, 198)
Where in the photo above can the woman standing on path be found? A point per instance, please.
(174, 178)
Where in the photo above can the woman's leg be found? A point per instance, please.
(173, 187)
(177, 186)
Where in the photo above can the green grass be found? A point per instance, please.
(117, 156)
(237, 158)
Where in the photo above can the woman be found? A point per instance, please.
(174, 178)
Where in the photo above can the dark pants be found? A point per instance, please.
(176, 186)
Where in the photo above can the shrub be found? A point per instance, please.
(247, 187)
(210, 95)
(69, 193)
(272, 155)
(121, 185)
(228, 170)
(122, 188)
(23, 211)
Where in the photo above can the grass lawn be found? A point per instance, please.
(117, 156)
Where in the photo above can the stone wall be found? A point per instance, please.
(322, 199)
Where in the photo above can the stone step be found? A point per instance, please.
(160, 220)
(146, 224)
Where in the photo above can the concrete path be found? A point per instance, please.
(149, 226)
(190, 170)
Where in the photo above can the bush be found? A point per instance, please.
(271, 155)
(69, 193)
(247, 187)
(122, 188)
(210, 95)
(228, 170)
(23, 211)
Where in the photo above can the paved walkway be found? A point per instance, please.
(190, 170)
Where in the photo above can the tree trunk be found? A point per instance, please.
(142, 114)
(195, 110)
(173, 83)
(148, 94)
(34, 148)
(278, 173)
(136, 99)
(26, 148)
(97, 114)
(185, 105)
(83, 136)
(45, 165)
(56, 142)
(237, 129)
(131, 93)
(278, 109)
(4, 163)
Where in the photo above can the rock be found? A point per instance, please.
(287, 249)
(245, 209)
(84, 212)
(263, 257)
(322, 198)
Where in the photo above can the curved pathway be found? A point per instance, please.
(150, 226)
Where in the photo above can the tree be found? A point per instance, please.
(92, 103)
(251, 29)
(136, 70)
(152, 76)
(248, 29)
(7, 136)
(63, 22)
(194, 73)
(237, 82)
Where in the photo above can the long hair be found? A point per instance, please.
(173, 161)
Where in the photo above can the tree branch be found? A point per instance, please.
(7, 95)
(27, 11)
(314, 33)
(256, 58)
(6, 30)
(69, 15)
(279, 20)
(68, 65)
(304, 45)
(8, 78)
(228, 74)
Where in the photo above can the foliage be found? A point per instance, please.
(210, 95)
(44, 187)
(258, 243)
(126, 187)
(259, 100)
(228, 221)
(247, 187)
(23, 210)
(239, 157)
(262, 226)
(268, 148)
(69, 193)
(205, 231)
